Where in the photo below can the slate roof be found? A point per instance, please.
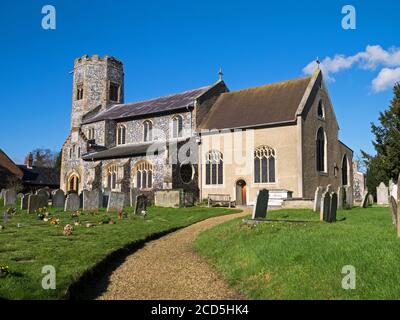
(129, 150)
(40, 176)
(268, 104)
(153, 106)
(9, 165)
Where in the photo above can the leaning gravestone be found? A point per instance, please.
(364, 202)
(106, 196)
(325, 206)
(24, 201)
(10, 197)
(393, 209)
(382, 194)
(72, 202)
(141, 204)
(116, 201)
(261, 205)
(333, 208)
(317, 199)
(341, 196)
(36, 202)
(58, 199)
(91, 200)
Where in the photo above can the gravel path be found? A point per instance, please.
(168, 268)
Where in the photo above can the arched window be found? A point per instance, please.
(147, 131)
(214, 168)
(73, 183)
(264, 165)
(121, 134)
(177, 126)
(321, 111)
(321, 150)
(112, 174)
(144, 175)
(345, 180)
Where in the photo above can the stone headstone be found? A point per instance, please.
(398, 188)
(72, 203)
(394, 192)
(10, 197)
(391, 184)
(261, 205)
(317, 199)
(364, 202)
(134, 192)
(141, 204)
(333, 208)
(382, 194)
(36, 202)
(106, 196)
(20, 195)
(341, 198)
(349, 196)
(325, 206)
(393, 209)
(116, 201)
(24, 201)
(92, 200)
(2, 193)
(44, 193)
(370, 200)
(329, 188)
(58, 199)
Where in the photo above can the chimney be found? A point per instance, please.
(29, 161)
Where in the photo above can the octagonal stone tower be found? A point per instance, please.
(98, 83)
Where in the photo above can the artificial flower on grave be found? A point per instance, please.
(77, 223)
(68, 230)
(54, 221)
(40, 216)
(89, 225)
(120, 215)
(111, 221)
(4, 271)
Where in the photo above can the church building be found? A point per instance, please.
(282, 136)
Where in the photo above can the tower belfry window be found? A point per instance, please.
(79, 92)
(114, 92)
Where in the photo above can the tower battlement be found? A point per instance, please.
(96, 58)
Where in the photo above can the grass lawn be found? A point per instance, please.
(304, 261)
(37, 243)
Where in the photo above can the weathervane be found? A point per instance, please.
(318, 62)
(220, 73)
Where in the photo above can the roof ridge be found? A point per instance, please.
(269, 84)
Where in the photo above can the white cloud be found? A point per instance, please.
(386, 79)
(372, 58)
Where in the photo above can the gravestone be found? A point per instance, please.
(370, 200)
(36, 202)
(58, 199)
(2, 193)
(92, 200)
(349, 196)
(398, 188)
(134, 192)
(317, 199)
(333, 208)
(364, 202)
(393, 209)
(10, 197)
(72, 202)
(261, 205)
(382, 194)
(20, 195)
(394, 192)
(341, 198)
(116, 201)
(325, 206)
(44, 193)
(24, 201)
(329, 188)
(106, 196)
(141, 204)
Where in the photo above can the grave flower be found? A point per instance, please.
(89, 225)
(40, 216)
(4, 271)
(54, 221)
(120, 215)
(68, 230)
(111, 222)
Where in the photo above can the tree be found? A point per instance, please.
(385, 165)
(44, 158)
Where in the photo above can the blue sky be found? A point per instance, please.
(171, 46)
